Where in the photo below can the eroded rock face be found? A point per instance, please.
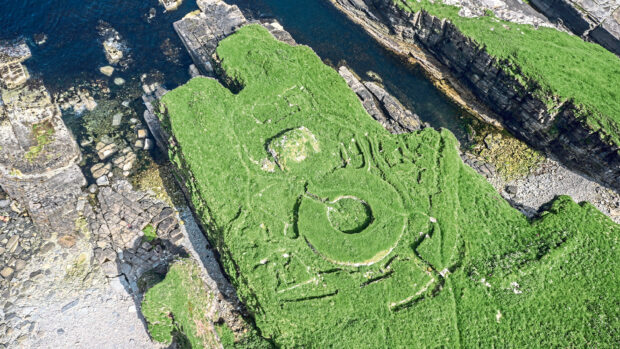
(382, 106)
(514, 106)
(598, 20)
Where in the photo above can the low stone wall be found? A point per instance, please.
(558, 132)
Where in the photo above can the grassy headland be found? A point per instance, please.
(337, 233)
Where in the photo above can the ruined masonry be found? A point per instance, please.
(38, 155)
(12, 72)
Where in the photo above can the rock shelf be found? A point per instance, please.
(39, 159)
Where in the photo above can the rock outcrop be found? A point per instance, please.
(171, 5)
(449, 55)
(39, 159)
(200, 31)
(38, 155)
(598, 21)
(382, 106)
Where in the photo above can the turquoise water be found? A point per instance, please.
(73, 49)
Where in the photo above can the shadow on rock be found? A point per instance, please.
(143, 266)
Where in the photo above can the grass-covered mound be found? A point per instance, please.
(559, 64)
(364, 239)
(177, 306)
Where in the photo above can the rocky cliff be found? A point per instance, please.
(461, 62)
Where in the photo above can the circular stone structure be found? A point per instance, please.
(352, 217)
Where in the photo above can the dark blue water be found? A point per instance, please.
(73, 49)
(334, 37)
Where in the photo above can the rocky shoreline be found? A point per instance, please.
(82, 251)
(475, 80)
(89, 247)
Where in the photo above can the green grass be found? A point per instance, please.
(444, 261)
(176, 308)
(559, 64)
(43, 134)
(150, 233)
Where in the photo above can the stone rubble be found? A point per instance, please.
(171, 5)
(115, 49)
(515, 11)
(77, 99)
(107, 70)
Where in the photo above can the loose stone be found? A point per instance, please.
(107, 70)
(103, 181)
(7, 272)
(116, 119)
(148, 144)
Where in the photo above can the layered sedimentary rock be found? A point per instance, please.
(39, 158)
(200, 31)
(382, 106)
(598, 20)
(447, 54)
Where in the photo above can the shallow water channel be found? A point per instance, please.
(73, 47)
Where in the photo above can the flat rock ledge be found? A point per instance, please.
(201, 31)
(38, 155)
(381, 105)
